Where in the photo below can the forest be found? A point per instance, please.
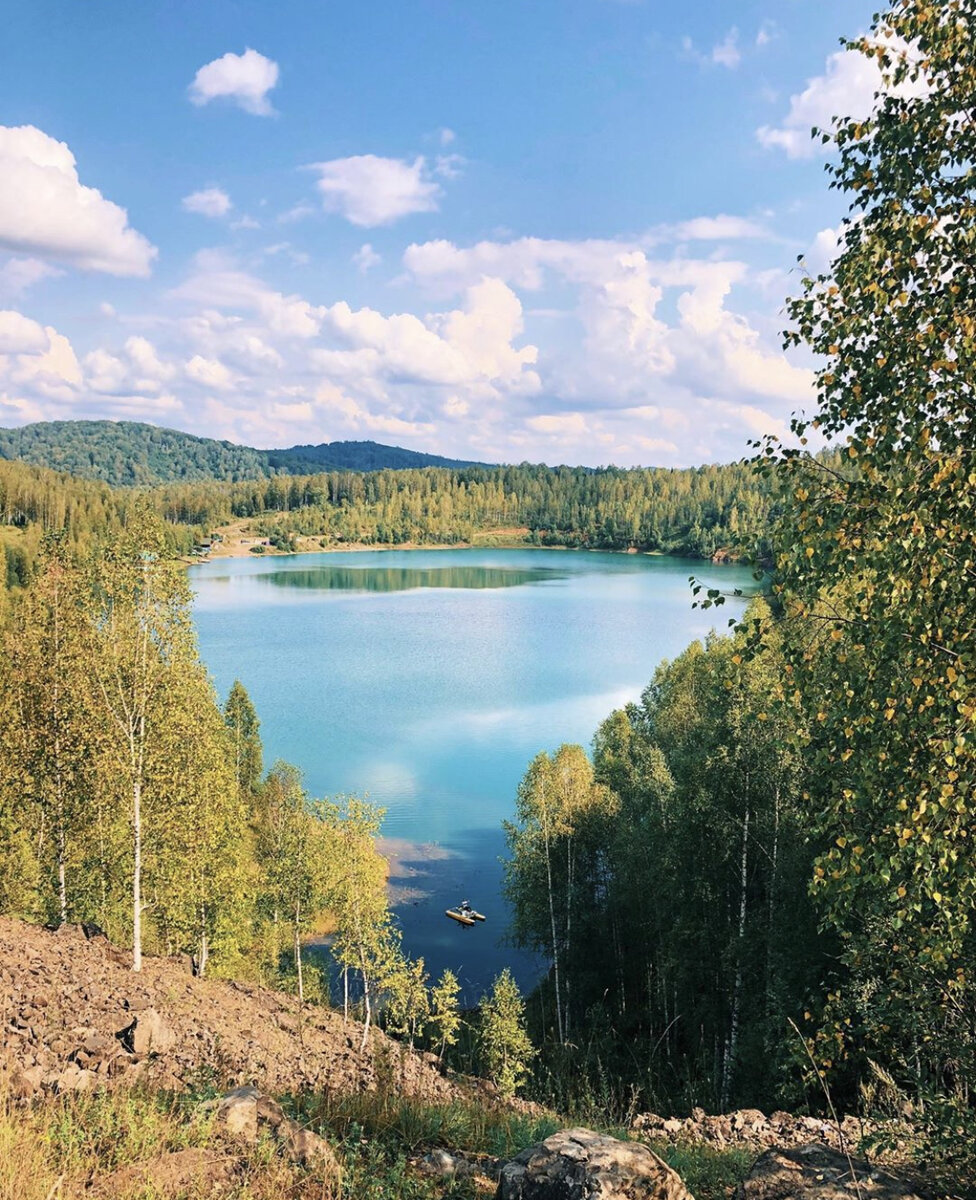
(134, 454)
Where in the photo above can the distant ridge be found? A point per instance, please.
(133, 453)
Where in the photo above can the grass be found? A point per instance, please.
(66, 1148)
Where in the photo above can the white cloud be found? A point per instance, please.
(136, 371)
(846, 89)
(19, 274)
(46, 211)
(146, 363)
(449, 166)
(624, 347)
(368, 190)
(717, 228)
(366, 258)
(244, 79)
(210, 202)
(726, 53)
(21, 335)
(297, 212)
(823, 250)
(447, 137)
(209, 372)
(561, 425)
(217, 282)
(768, 32)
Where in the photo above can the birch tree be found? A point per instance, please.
(142, 638)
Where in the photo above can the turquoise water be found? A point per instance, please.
(428, 679)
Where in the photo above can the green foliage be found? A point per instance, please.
(877, 564)
(695, 512)
(242, 721)
(134, 454)
(444, 1019)
(693, 939)
(504, 1044)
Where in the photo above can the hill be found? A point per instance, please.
(135, 454)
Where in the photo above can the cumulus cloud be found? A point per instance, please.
(135, 370)
(625, 348)
(218, 282)
(209, 372)
(846, 89)
(210, 202)
(368, 190)
(21, 335)
(245, 79)
(45, 210)
(651, 359)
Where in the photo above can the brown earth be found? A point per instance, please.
(73, 1016)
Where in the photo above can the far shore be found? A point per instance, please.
(236, 543)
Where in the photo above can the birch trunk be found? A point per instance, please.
(732, 1044)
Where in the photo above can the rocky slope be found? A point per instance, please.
(73, 1017)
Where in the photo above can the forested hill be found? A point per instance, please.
(131, 453)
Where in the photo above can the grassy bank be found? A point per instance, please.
(69, 1147)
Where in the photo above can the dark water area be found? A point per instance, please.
(428, 680)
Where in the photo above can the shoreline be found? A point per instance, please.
(235, 544)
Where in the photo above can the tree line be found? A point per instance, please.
(695, 512)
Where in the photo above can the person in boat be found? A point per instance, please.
(465, 908)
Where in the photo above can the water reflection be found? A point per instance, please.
(404, 579)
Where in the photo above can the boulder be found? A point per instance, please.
(237, 1113)
(147, 1034)
(816, 1172)
(308, 1148)
(245, 1112)
(76, 1079)
(578, 1164)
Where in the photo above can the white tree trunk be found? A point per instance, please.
(137, 874)
(732, 1044)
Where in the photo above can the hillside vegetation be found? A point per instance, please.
(135, 454)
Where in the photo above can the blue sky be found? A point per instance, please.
(560, 231)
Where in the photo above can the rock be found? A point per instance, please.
(245, 1111)
(747, 1119)
(308, 1148)
(23, 1084)
(439, 1164)
(193, 1172)
(578, 1164)
(75, 1079)
(816, 1172)
(148, 1033)
(237, 1113)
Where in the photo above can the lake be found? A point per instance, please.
(428, 679)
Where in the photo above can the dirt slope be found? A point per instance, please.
(73, 1016)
